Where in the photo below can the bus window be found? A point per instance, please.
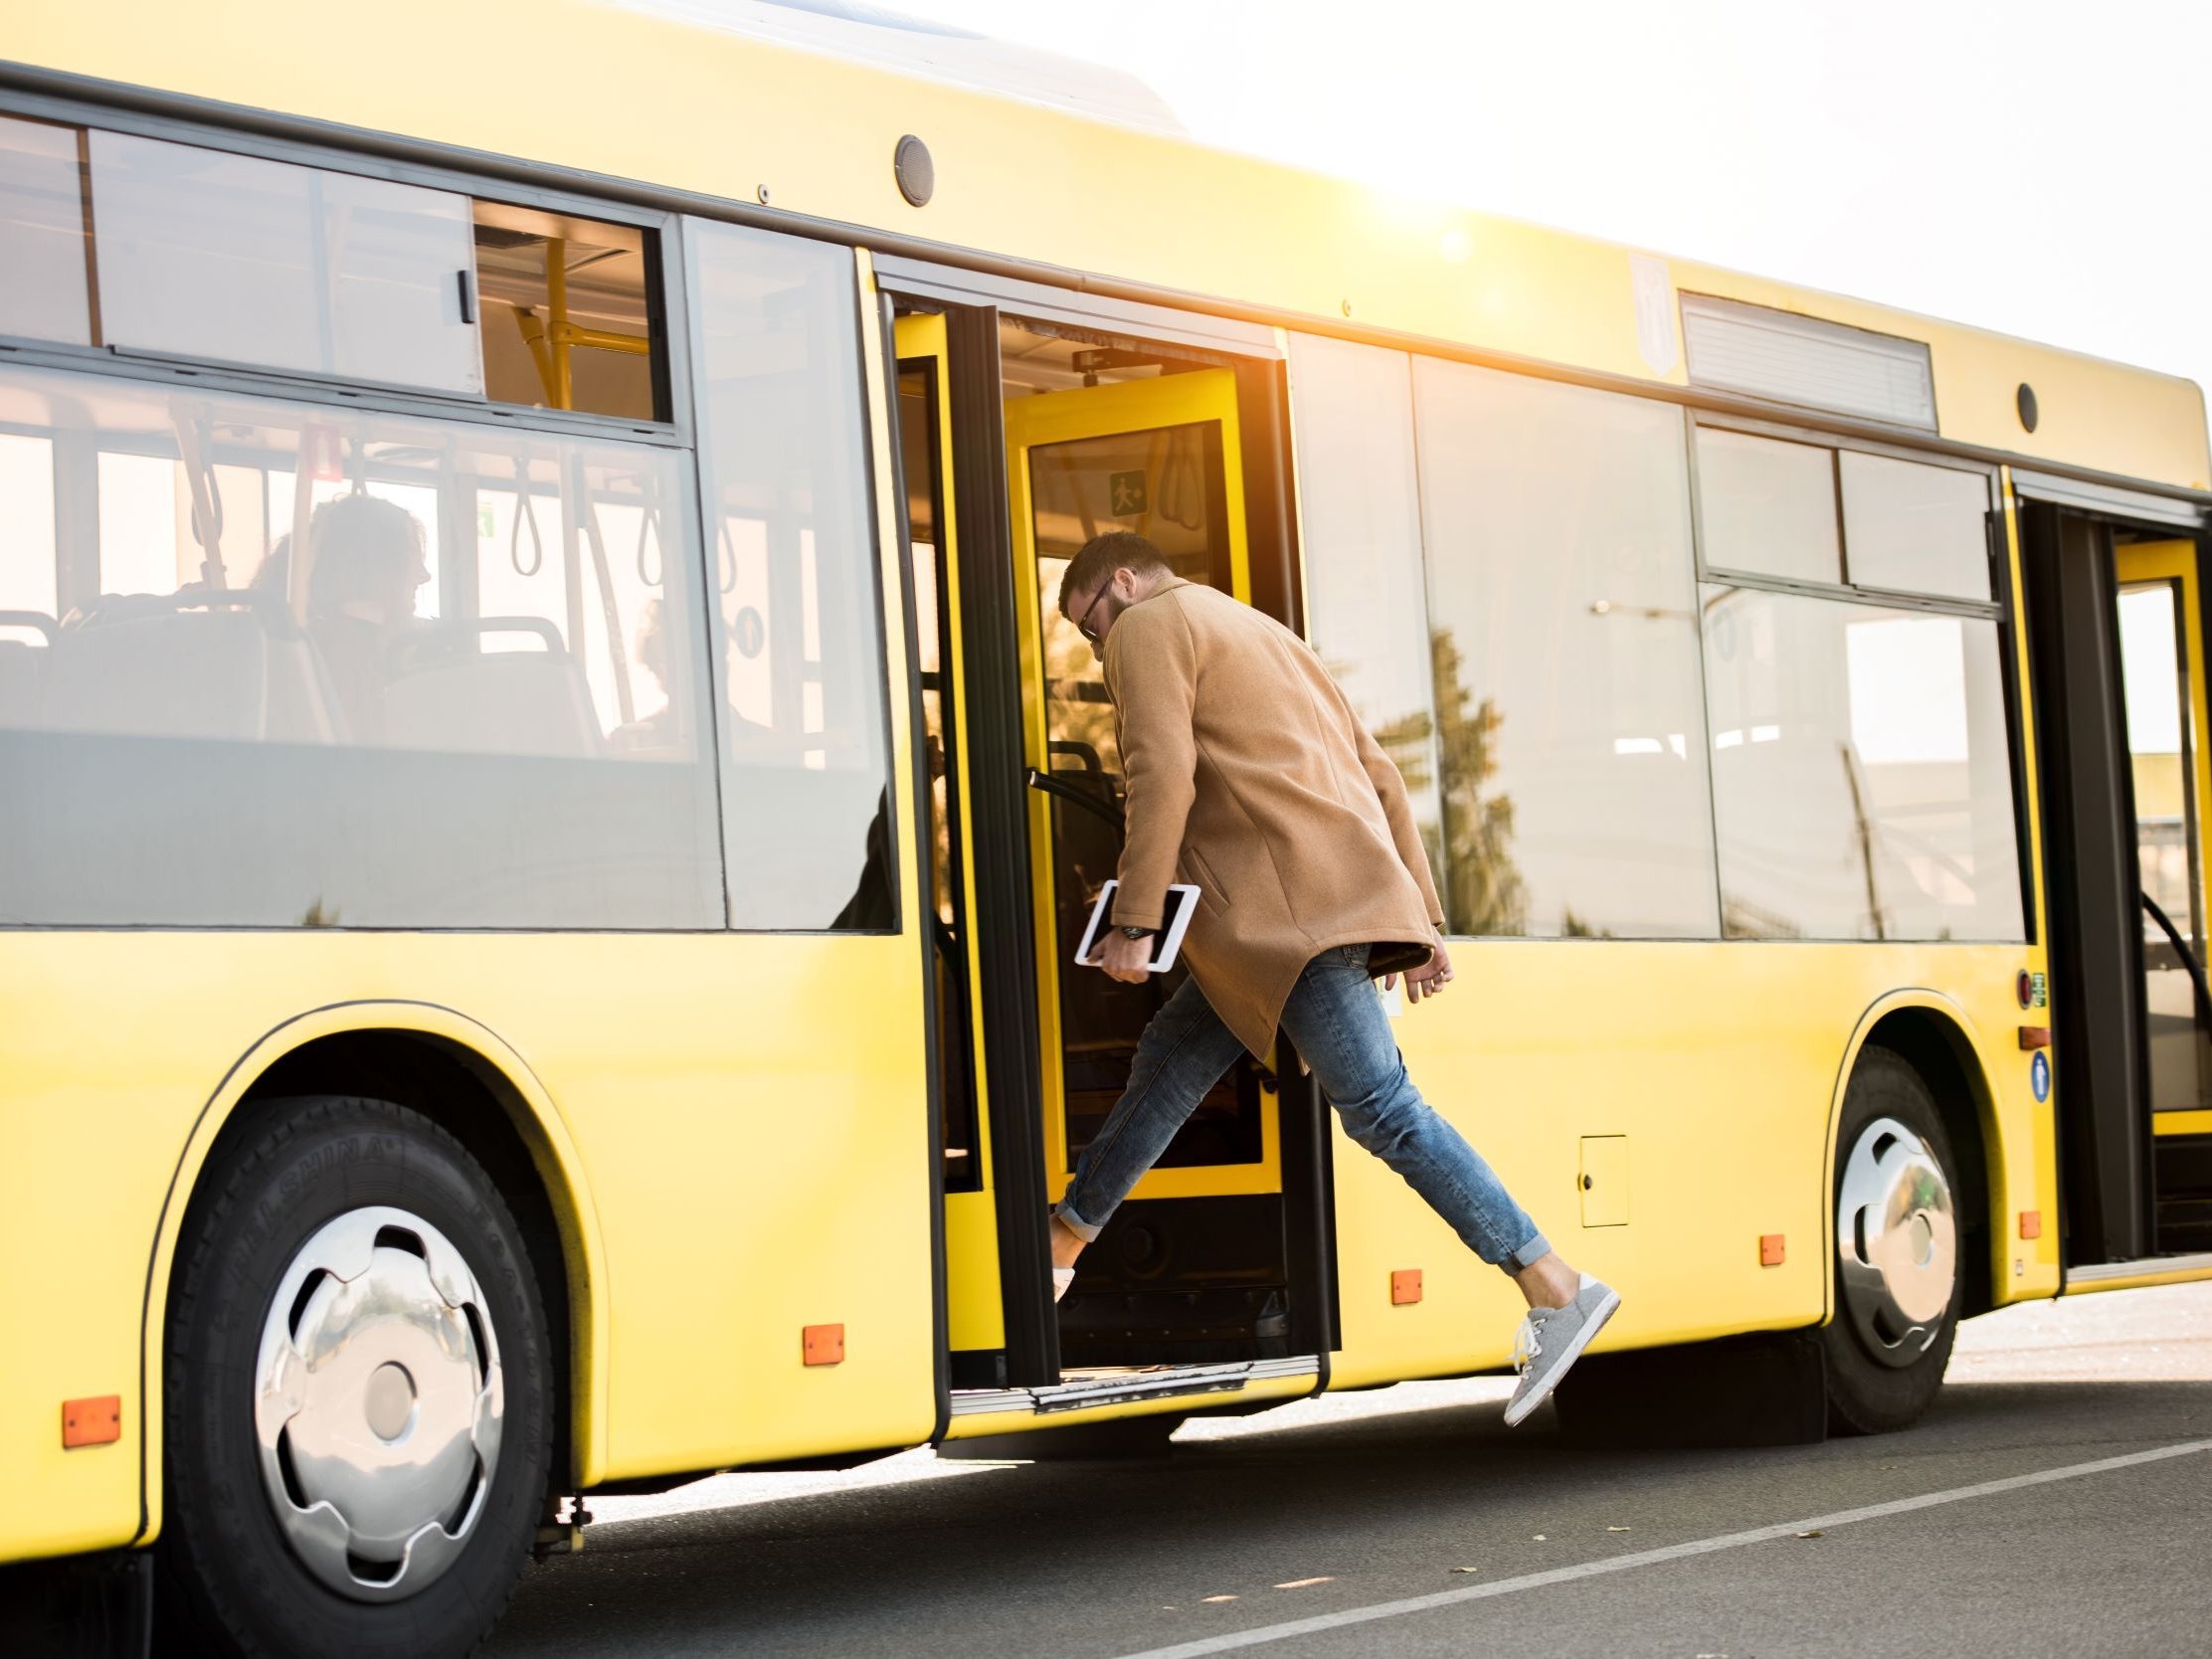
(277, 665)
(1913, 528)
(807, 805)
(42, 234)
(1568, 715)
(1367, 596)
(1769, 506)
(1861, 781)
(567, 318)
(205, 253)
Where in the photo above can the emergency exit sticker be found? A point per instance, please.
(1127, 492)
(2039, 1076)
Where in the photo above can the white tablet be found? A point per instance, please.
(1182, 904)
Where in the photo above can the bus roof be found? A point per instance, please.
(1039, 161)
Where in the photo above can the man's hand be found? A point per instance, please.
(1428, 980)
(1124, 958)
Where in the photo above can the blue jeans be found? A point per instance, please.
(1338, 1023)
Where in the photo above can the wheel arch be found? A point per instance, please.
(472, 1083)
(1934, 1035)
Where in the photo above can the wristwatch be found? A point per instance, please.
(1138, 932)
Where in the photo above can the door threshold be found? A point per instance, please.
(2104, 1272)
(1084, 1390)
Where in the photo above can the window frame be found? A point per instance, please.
(2001, 607)
(663, 288)
(1996, 608)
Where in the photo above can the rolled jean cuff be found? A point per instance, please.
(1076, 1225)
(1534, 1251)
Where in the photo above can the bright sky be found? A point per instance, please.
(2032, 167)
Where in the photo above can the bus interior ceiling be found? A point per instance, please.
(1200, 1275)
(2119, 708)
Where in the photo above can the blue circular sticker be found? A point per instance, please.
(2039, 1076)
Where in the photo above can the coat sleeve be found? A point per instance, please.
(1152, 674)
(1390, 787)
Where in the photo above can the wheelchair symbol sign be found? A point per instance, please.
(2039, 1077)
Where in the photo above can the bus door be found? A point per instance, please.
(1192, 1268)
(2162, 672)
(973, 1311)
(1017, 442)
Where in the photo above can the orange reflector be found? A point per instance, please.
(1770, 1250)
(2035, 1036)
(97, 1421)
(822, 1345)
(1406, 1286)
(2031, 1224)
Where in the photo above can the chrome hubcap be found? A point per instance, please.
(1897, 1239)
(377, 1404)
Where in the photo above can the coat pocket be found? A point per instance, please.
(1211, 891)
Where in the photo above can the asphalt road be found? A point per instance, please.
(1334, 1515)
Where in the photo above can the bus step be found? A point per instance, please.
(1123, 1384)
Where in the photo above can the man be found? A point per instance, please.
(1248, 775)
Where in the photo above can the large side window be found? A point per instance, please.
(797, 631)
(1861, 760)
(271, 665)
(1360, 506)
(1569, 714)
(1499, 574)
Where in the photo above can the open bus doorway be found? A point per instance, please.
(1221, 1255)
(2117, 626)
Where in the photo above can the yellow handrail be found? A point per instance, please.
(552, 337)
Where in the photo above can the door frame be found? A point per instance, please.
(998, 865)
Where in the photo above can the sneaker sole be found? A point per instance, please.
(1519, 1409)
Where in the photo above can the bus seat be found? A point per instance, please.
(23, 664)
(157, 670)
(509, 702)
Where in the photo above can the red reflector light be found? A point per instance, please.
(97, 1421)
(822, 1344)
(1406, 1286)
(2035, 1036)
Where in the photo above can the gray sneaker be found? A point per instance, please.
(1552, 1339)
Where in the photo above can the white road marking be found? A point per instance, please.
(1647, 1557)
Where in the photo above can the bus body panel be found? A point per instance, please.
(1542, 1044)
(745, 1053)
(604, 90)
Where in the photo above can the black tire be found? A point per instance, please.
(1867, 1395)
(229, 1582)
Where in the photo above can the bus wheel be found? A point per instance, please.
(1897, 1251)
(357, 1421)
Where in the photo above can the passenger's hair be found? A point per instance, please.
(1105, 554)
(360, 542)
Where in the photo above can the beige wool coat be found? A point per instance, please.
(1248, 775)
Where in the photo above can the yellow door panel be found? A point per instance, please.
(1159, 456)
(975, 1312)
(2163, 656)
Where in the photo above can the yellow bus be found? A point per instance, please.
(545, 805)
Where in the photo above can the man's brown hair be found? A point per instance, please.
(1104, 554)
